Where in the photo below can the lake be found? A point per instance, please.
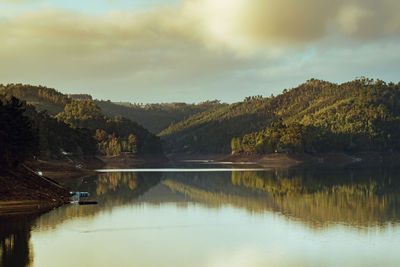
(203, 214)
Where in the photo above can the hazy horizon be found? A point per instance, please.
(195, 50)
(184, 101)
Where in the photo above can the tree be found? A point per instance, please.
(132, 142)
(18, 140)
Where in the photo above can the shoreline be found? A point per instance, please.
(340, 160)
(128, 160)
(62, 171)
(25, 192)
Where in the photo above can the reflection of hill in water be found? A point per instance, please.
(117, 188)
(215, 190)
(317, 197)
(109, 189)
(358, 198)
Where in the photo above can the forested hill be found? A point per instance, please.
(317, 116)
(72, 125)
(42, 98)
(155, 117)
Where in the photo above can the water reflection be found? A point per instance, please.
(15, 246)
(166, 214)
(314, 196)
(359, 198)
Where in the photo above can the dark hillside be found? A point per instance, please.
(155, 117)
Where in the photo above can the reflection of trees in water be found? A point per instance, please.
(109, 189)
(15, 247)
(216, 199)
(308, 181)
(215, 189)
(116, 181)
(353, 197)
(123, 187)
(116, 187)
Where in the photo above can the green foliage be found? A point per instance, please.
(79, 117)
(362, 115)
(317, 116)
(112, 135)
(80, 97)
(236, 145)
(82, 114)
(212, 130)
(57, 138)
(18, 140)
(41, 97)
(110, 145)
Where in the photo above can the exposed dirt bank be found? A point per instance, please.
(25, 192)
(63, 171)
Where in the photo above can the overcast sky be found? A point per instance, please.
(194, 50)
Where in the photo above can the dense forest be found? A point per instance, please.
(43, 98)
(317, 116)
(27, 133)
(362, 115)
(112, 135)
(154, 117)
(19, 140)
(73, 126)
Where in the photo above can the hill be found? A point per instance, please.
(112, 135)
(317, 116)
(155, 117)
(73, 124)
(42, 98)
(25, 192)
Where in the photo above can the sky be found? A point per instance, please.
(148, 51)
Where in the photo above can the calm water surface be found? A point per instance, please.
(191, 217)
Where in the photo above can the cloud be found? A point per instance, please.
(247, 24)
(197, 44)
(236, 24)
(154, 50)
